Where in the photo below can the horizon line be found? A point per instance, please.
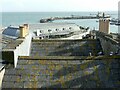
(62, 11)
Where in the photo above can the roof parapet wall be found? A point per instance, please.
(21, 48)
(108, 43)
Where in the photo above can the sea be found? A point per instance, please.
(18, 18)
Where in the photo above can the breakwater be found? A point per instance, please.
(71, 17)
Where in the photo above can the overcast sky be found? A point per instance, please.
(58, 5)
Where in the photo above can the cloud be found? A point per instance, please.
(59, 5)
(12, 5)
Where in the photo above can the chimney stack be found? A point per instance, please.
(104, 25)
(23, 30)
(26, 26)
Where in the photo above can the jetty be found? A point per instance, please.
(97, 16)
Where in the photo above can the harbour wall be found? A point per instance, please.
(71, 17)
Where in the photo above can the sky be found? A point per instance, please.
(57, 5)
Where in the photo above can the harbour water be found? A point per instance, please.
(17, 18)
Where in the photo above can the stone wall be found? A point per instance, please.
(108, 43)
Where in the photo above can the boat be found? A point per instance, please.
(117, 24)
(112, 23)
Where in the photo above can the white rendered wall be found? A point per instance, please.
(23, 49)
(78, 36)
(1, 77)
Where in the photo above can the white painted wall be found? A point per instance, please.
(78, 36)
(23, 49)
(1, 77)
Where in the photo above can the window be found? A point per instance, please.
(49, 30)
(63, 28)
(70, 27)
(56, 29)
(46, 36)
(40, 37)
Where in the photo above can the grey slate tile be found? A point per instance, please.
(7, 84)
(32, 84)
(6, 78)
(18, 84)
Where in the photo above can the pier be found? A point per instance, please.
(72, 17)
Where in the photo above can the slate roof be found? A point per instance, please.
(12, 31)
(65, 47)
(37, 72)
(5, 40)
(62, 74)
(14, 44)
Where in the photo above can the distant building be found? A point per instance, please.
(53, 30)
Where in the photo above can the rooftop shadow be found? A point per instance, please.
(83, 48)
